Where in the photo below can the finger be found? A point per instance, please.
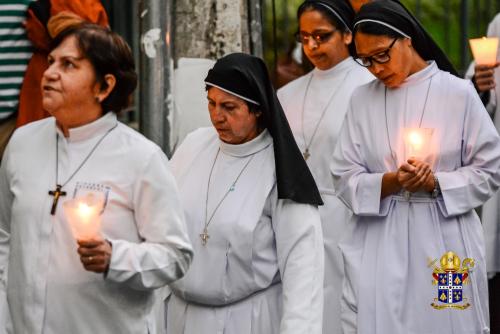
(485, 81)
(94, 251)
(85, 251)
(484, 73)
(407, 168)
(420, 180)
(486, 86)
(484, 67)
(89, 243)
(96, 268)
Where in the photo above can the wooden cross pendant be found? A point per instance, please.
(56, 193)
(204, 237)
(306, 154)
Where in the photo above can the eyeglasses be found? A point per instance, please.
(379, 58)
(318, 37)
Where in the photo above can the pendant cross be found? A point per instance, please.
(204, 237)
(56, 193)
(306, 154)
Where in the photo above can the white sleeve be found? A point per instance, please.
(359, 189)
(299, 243)
(165, 253)
(6, 199)
(478, 178)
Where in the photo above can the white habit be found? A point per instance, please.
(48, 290)
(388, 280)
(261, 270)
(330, 89)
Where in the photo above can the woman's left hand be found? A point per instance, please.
(95, 254)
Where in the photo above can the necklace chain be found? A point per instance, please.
(323, 113)
(406, 106)
(84, 160)
(204, 236)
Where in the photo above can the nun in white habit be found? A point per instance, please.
(315, 106)
(415, 260)
(251, 208)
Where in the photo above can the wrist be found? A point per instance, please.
(436, 191)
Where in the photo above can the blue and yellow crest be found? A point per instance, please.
(450, 280)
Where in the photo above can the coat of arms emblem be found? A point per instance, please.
(450, 279)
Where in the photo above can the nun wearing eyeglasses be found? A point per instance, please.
(315, 105)
(416, 154)
(250, 203)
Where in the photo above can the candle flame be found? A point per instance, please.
(85, 211)
(415, 139)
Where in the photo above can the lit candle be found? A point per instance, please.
(84, 216)
(417, 142)
(484, 50)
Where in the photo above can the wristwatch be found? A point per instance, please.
(437, 189)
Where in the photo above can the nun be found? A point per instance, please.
(412, 164)
(250, 203)
(315, 105)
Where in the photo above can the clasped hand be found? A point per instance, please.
(415, 175)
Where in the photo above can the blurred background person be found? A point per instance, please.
(485, 79)
(15, 53)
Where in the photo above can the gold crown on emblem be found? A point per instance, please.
(450, 262)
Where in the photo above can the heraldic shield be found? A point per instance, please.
(450, 280)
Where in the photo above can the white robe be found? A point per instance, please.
(340, 81)
(262, 268)
(48, 290)
(388, 281)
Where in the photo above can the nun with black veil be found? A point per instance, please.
(251, 206)
(416, 154)
(315, 106)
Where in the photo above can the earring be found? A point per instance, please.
(97, 99)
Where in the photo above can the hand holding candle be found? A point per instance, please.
(84, 217)
(95, 254)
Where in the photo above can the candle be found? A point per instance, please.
(84, 216)
(484, 50)
(417, 142)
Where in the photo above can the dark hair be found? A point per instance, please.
(312, 6)
(109, 54)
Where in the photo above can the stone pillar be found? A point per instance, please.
(210, 28)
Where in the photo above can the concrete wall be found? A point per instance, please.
(210, 28)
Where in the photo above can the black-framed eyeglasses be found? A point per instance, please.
(318, 37)
(380, 58)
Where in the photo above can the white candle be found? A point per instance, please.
(84, 216)
(484, 50)
(417, 142)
